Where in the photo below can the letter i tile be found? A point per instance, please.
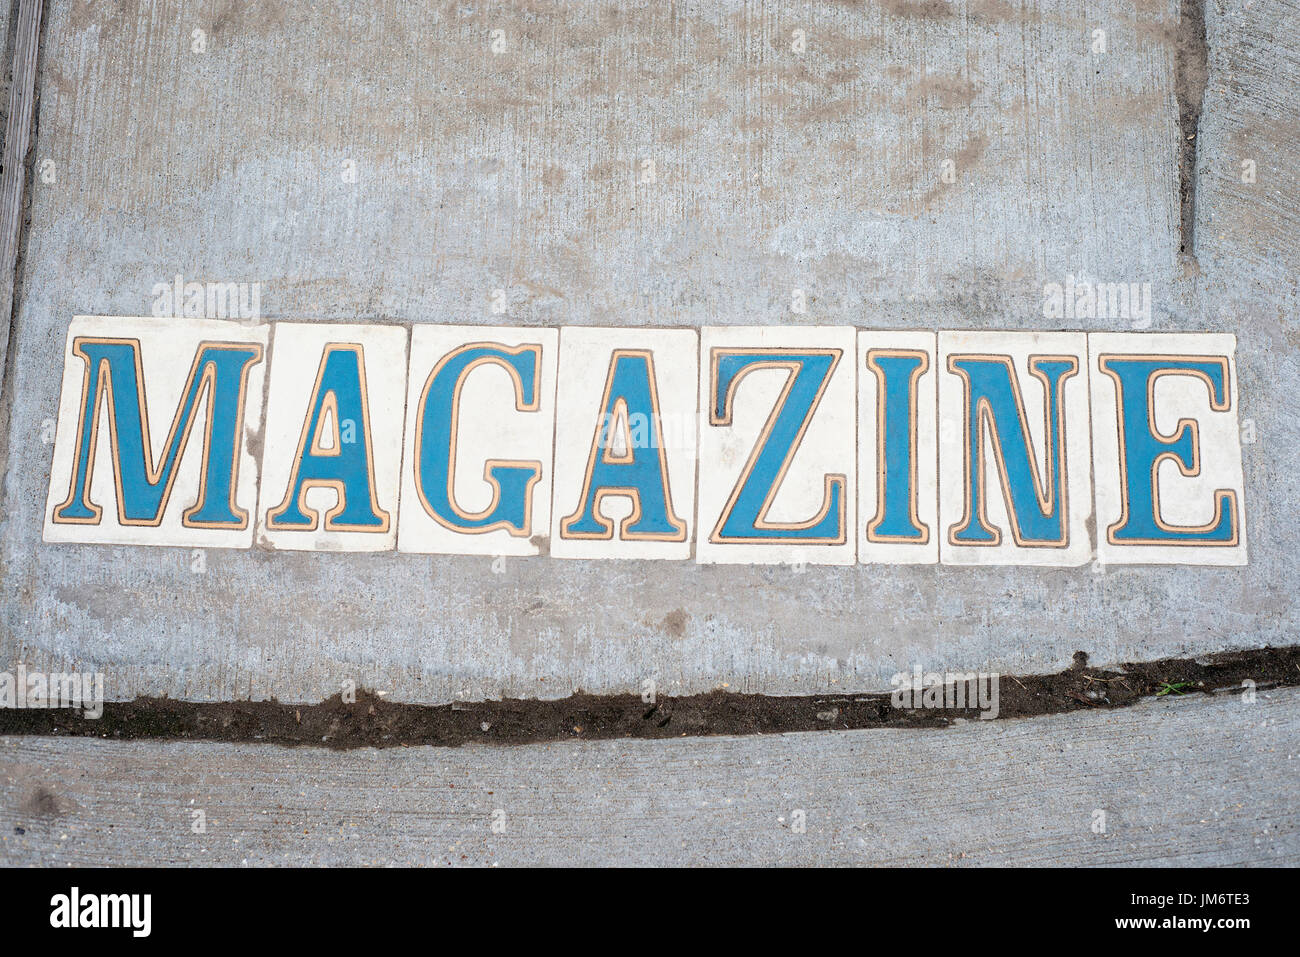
(898, 461)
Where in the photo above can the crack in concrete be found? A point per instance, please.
(370, 721)
(24, 54)
(1191, 74)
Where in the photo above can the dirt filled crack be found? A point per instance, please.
(1191, 73)
(370, 721)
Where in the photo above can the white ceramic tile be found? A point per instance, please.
(778, 449)
(590, 516)
(333, 425)
(480, 434)
(1173, 493)
(898, 459)
(183, 477)
(1029, 513)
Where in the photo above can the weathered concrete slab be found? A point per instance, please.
(1191, 781)
(635, 164)
(5, 81)
(20, 24)
(1247, 181)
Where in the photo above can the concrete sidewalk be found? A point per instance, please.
(904, 165)
(1184, 781)
(384, 164)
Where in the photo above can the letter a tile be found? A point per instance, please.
(333, 445)
(625, 444)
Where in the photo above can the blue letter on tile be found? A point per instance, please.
(338, 457)
(744, 518)
(636, 467)
(896, 519)
(435, 449)
(995, 411)
(1142, 449)
(114, 374)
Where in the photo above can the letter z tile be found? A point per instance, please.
(778, 451)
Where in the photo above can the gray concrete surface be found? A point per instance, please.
(6, 13)
(17, 106)
(1191, 781)
(521, 170)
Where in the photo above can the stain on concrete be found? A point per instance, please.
(965, 158)
(942, 92)
(675, 622)
(43, 804)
